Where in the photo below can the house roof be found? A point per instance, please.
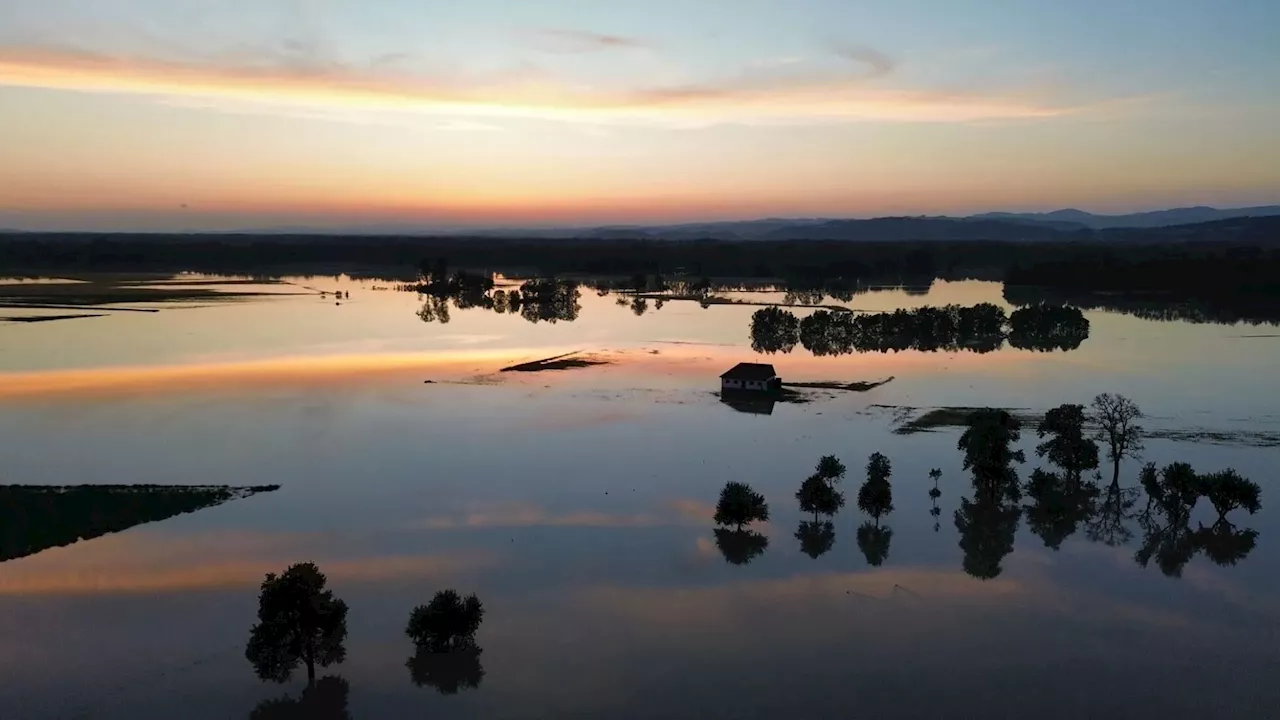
(750, 371)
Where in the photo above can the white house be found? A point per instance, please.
(750, 376)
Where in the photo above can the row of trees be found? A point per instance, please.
(981, 328)
(1060, 500)
(539, 300)
(302, 624)
(820, 496)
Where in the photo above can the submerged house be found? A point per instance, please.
(756, 377)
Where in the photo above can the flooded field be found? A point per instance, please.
(560, 453)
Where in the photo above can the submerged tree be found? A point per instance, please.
(774, 330)
(818, 497)
(987, 443)
(875, 497)
(1228, 491)
(740, 505)
(934, 493)
(740, 547)
(1117, 417)
(873, 541)
(448, 622)
(1067, 446)
(830, 469)
(325, 699)
(299, 621)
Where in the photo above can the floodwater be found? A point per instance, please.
(577, 504)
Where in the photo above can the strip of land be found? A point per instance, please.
(568, 361)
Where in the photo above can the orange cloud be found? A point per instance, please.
(755, 98)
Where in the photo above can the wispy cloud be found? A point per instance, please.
(762, 98)
(557, 40)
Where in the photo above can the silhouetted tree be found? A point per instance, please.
(830, 469)
(1067, 446)
(1117, 417)
(740, 547)
(1228, 491)
(774, 330)
(873, 541)
(934, 493)
(449, 671)
(818, 497)
(740, 505)
(547, 300)
(299, 621)
(448, 622)
(325, 699)
(639, 306)
(1058, 506)
(816, 538)
(987, 442)
(875, 497)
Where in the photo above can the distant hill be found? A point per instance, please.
(1158, 218)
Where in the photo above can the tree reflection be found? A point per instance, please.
(538, 300)
(774, 330)
(1172, 494)
(873, 541)
(450, 671)
(816, 538)
(740, 547)
(989, 522)
(987, 528)
(325, 699)
(1046, 328)
(1109, 523)
(1058, 506)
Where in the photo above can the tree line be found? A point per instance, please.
(980, 328)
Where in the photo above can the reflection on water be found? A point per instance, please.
(578, 504)
(325, 700)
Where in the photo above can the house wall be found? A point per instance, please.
(762, 385)
(730, 384)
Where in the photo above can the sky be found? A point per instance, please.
(242, 114)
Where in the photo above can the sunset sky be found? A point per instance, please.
(232, 114)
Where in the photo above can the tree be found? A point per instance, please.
(1228, 491)
(740, 505)
(830, 468)
(934, 493)
(873, 541)
(1067, 446)
(326, 699)
(986, 442)
(299, 621)
(818, 497)
(1225, 545)
(1117, 417)
(816, 538)
(447, 672)
(740, 547)
(774, 330)
(875, 497)
(448, 622)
